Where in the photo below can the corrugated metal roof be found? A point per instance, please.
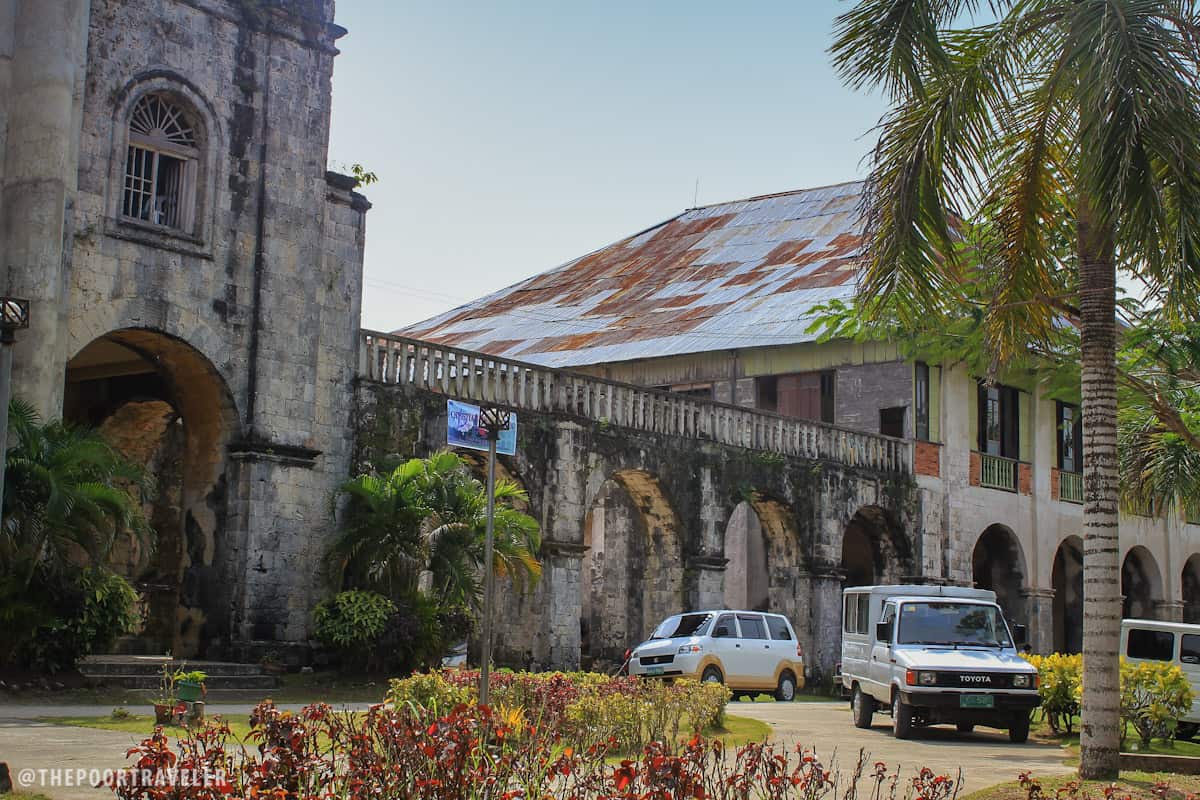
(740, 274)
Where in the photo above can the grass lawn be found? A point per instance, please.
(1137, 785)
(736, 732)
(1173, 747)
(800, 698)
(144, 725)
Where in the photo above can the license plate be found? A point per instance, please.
(976, 701)
(654, 670)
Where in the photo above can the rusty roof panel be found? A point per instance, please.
(732, 275)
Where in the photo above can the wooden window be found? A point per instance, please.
(1070, 438)
(921, 401)
(999, 421)
(891, 421)
(160, 165)
(803, 395)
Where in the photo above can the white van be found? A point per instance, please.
(934, 654)
(748, 651)
(1177, 642)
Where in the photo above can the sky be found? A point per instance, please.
(509, 138)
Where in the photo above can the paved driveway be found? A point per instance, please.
(986, 756)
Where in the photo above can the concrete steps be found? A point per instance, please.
(144, 672)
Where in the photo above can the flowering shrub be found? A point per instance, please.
(471, 753)
(1153, 696)
(588, 707)
(1060, 688)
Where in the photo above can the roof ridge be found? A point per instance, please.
(786, 193)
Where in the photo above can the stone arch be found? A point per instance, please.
(1190, 589)
(764, 559)
(747, 575)
(163, 404)
(1066, 578)
(874, 549)
(1141, 584)
(998, 563)
(632, 567)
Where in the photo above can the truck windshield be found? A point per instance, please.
(682, 625)
(952, 624)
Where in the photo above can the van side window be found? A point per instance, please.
(864, 613)
(1150, 645)
(725, 628)
(1189, 648)
(752, 627)
(779, 629)
(850, 614)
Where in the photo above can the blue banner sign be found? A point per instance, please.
(462, 429)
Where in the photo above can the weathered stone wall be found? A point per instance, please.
(658, 500)
(255, 308)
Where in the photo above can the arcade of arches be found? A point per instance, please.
(165, 407)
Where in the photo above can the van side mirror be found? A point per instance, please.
(883, 631)
(722, 632)
(1020, 635)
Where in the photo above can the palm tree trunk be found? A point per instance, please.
(1099, 732)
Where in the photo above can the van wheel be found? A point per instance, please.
(965, 727)
(786, 691)
(862, 706)
(1018, 732)
(712, 675)
(902, 717)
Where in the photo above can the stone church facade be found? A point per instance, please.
(195, 276)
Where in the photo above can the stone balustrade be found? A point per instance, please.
(484, 379)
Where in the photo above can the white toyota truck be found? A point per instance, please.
(934, 654)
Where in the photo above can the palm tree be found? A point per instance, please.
(430, 514)
(67, 494)
(1158, 425)
(1070, 129)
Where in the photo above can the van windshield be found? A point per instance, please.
(682, 625)
(952, 624)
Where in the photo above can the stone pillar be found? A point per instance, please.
(562, 572)
(826, 622)
(1039, 616)
(708, 590)
(44, 101)
(1169, 610)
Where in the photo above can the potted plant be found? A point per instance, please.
(166, 701)
(271, 664)
(189, 686)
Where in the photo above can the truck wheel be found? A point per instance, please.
(862, 706)
(1018, 732)
(965, 727)
(902, 718)
(786, 691)
(712, 675)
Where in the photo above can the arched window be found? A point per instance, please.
(161, 164)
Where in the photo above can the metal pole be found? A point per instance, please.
(6, 359)
(488, 545)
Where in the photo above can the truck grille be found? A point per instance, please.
(650, 661)
(975, 680)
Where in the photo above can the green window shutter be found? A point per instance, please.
(1025, 421)
(935, 404)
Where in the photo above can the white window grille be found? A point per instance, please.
(160, 165)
